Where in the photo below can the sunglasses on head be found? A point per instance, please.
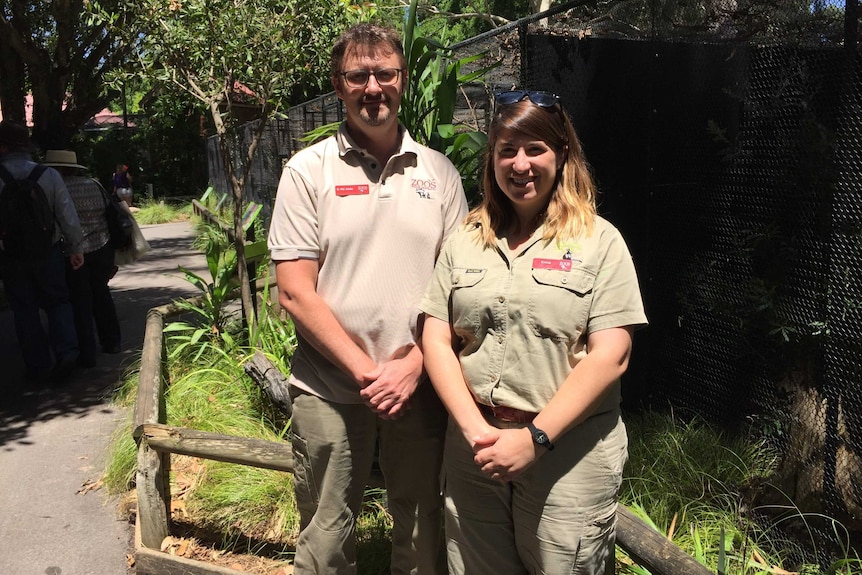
(541, 99)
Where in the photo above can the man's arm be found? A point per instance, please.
(297, 294)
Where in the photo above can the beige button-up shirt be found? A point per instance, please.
(522, 319)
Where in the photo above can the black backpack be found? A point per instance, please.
(26, 217)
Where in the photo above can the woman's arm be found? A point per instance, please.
(582, 391)
(607, 359)
(444, 369)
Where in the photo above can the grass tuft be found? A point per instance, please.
(699, 486)
(152, 211)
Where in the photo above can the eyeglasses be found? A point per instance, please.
(541, 99)
(359, 78)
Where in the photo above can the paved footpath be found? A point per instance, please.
(53, 441)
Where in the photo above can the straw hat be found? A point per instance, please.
(62, 159)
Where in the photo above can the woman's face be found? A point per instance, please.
(526, 171)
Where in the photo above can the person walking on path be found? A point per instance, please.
(54, 442)
(34, 282)
(358, 222)
(123, 184)
(88, 285)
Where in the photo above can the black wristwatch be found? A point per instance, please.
(540, 437)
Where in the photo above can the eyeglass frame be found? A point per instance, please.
(535, 96)
(399, 72)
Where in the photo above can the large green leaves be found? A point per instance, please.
(259, 51)
(428, 107)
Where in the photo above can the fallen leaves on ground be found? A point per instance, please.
(89, 486)
(197, 551)
(186, 472)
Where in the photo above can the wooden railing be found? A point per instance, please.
(157, 441)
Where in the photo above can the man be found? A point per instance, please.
(40, 283)
(88, 285)
(358, 222)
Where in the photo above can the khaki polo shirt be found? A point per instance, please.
(523, 323)
(376, 231)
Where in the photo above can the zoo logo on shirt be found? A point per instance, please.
(423, 187)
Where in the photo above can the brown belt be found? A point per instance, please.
(507, 414)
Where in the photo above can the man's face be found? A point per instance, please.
(373, 104)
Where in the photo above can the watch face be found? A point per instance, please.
(541, 437)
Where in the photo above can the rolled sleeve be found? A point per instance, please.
(294, 232)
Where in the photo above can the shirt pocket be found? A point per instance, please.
(560, 302)
(467, 300)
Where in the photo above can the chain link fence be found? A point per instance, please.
(726, 138)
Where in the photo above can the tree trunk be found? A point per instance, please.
(248, 311)
(12, 95)
(248, 315)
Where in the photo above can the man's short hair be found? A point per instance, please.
(362, 37)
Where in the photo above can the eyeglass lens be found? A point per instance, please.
(359, 78)
(541, 99)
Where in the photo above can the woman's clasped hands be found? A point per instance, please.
(503, 454)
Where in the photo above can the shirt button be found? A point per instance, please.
(500, 339)
(456, 279)
(502, 298)
(565, 280)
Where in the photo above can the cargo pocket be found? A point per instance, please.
(307, 496)
(596, 547)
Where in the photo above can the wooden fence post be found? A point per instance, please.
(152, 472)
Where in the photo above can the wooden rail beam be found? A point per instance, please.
(651, 549)
(148, 408)
(150, 562)
(227, 448)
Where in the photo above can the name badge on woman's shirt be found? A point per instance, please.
(549, 264)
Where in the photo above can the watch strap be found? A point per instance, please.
(540, 437)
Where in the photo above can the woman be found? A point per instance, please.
(529, 321)
(123, 184)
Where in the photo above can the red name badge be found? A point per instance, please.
(355, 190)
(543, 264)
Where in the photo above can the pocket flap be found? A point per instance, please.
(579, 281)
(467, 277)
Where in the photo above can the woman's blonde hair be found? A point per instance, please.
(571, 209)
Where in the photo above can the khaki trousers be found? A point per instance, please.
(333, 449)
(558, 517)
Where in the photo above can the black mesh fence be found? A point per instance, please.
(726, 138)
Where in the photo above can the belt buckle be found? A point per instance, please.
(507, 414)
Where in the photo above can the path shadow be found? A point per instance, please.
(152, 281)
